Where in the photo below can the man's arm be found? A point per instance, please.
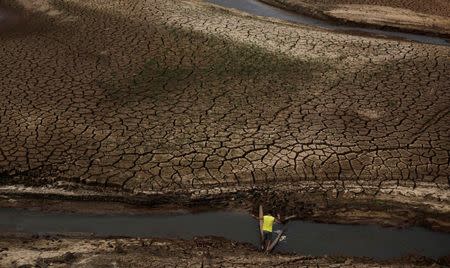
(290, 217)
(282, 221)
(278, 219)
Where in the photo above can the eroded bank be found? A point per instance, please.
(363, 203)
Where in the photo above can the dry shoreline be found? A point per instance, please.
(63, 251)
(364, 16)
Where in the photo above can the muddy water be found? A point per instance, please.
(302, 237)
(261, 9)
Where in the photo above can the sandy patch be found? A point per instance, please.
(390, 16)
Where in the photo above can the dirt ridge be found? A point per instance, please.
(327, 13)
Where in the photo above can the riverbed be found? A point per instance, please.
(306, 238)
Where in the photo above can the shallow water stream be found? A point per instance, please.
(302, 237)
(256, 7)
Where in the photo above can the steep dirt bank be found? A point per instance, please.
(409, 16)
(9, 17)
(59, 251)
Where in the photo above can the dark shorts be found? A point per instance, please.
(267, 235)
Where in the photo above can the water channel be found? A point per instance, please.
(258, 8)
(307, 238)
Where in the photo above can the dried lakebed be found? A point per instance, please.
(262, 9)
(306, 238)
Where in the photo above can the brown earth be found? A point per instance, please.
(163, 100)
(162, 97)
(179, 104)
(416, 16)
(58, 251)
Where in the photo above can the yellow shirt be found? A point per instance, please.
(268, 223)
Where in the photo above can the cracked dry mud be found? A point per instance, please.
(184, 98)
(178, 95)
(153, 98)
